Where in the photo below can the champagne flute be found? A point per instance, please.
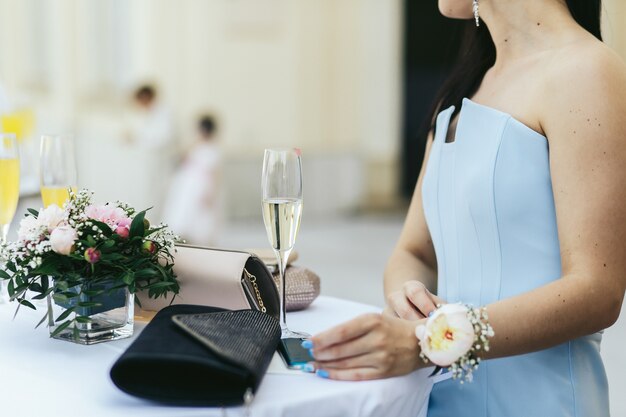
(9, 187)
(58, 169)
(282, 209)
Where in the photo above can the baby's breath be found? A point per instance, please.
(127, 208)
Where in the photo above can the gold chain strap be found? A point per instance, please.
(252, 279)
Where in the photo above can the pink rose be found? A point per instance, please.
(99, 213)
(122, 232)
(447, 335)
(111, 215)
(92, 255)
(62, 240)
(125, 222)
(118, 216)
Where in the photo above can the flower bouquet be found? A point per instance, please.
(87, 261)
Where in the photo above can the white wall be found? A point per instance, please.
(323, 75)
(614, 25)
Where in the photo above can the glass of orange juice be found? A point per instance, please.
(9, 182)
(57, 169)
(9, 187)
(20, 122)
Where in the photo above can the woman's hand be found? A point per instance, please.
(371, 346)
(413, 301)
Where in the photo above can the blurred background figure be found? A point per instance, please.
(193, 205)
(151, 133)
(151, 121)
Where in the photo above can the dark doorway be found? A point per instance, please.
(430, 48)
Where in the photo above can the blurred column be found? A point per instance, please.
(61, 46)
(614, 25)
(381, 101)
(13, 18)
(381, 48)
(142, 39)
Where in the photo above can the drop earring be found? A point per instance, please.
(476, 15)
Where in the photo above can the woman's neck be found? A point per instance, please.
(520, 28)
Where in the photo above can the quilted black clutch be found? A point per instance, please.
(200, 356)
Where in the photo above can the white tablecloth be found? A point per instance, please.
(43, 377)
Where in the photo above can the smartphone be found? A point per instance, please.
(293, 354)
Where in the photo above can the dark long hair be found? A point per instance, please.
(478, 54)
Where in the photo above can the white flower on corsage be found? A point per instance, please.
(447, 335)
(452, 337)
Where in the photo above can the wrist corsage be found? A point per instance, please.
(453, 337)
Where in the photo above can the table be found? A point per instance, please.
(43, 377)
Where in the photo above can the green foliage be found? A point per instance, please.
(137, 226)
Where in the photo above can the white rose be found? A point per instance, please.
(447, 335)
(29, 229)
(62, 239)
(51, 217)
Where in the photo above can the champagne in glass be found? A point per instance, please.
(9, 187)
(58, 169)
(282, 221)
(282, 209)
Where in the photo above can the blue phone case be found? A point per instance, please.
(292, 352)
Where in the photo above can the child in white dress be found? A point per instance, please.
(192, 206)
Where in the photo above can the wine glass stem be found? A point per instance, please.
(4, 232)
(282, 256)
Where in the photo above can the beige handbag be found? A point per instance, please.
(228, 279)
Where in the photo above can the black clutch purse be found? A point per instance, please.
(199, 356)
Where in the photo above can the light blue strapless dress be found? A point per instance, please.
(490, 210)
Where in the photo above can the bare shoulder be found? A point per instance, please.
(587, 63)
(584, 88)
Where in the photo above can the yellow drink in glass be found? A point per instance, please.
(57, 169)
(9, 189)
(55, 195)
(20, 122)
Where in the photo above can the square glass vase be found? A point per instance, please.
(111, 318)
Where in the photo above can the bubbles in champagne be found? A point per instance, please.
(282, 221)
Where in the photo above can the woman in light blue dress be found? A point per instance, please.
(521, 208)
